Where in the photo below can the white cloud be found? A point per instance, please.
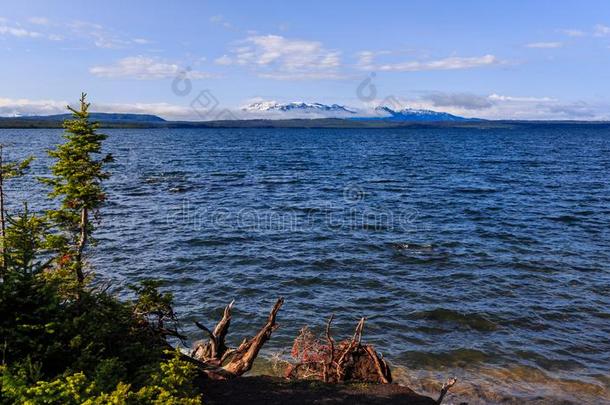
(574, 33)
(164, 110)
(23, 106)
(103, 37)
(450, 63)
(223, 60)
(39, 20)
(143, 68)
(100, 36)
(220, 20)
(27, 107)
(544, 45)
(366, 58)
(466, 101)
(276, 57)
(601, 30)
(303, 76)
(17, 31)
(500, 106)
(498, 97)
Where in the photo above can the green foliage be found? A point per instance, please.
(111, 342)
(77, 182)
(61, 339)
(24, 241)
(155, 308)
(171, 384)
(10, 170)
(77, 175)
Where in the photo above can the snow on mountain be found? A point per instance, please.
(298, 110)
(275, 110)
(411, 114)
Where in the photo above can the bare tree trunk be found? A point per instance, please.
(84, 224)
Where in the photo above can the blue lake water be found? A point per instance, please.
(478, 253)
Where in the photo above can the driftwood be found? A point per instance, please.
(450, 383)
(348, 360)
(216, 360)
(325, 360)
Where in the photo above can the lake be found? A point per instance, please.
(480, 253)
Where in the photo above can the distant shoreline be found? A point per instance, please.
(330, 123)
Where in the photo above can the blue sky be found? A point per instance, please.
(491, 59)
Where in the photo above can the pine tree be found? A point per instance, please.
(77, 182)
(24, 241)
(8, 170)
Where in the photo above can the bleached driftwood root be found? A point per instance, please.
(215, 359)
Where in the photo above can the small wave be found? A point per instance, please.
(179, 189)
(424, 247)
(453, 358)
(215, 241)
(475, 190)
(279, 181)
(236, 175)
(471, 320)
(566, 219)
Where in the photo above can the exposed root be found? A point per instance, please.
(315, 358)
(217, 361)
(354, 361)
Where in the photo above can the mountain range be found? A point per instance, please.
(272, 109)
(415, 115)
(272, 106)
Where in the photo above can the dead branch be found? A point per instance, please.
(450, 383)
(215, 348)
(349, 350)
(210, 356)
(244, 355)
(331, 351)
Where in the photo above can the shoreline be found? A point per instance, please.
(478, 384)
(268, 390)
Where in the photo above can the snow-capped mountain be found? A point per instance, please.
(310, 110)
(411, 114)
(275, 110)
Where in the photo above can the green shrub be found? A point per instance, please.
(172, 384)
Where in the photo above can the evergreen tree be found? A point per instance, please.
(77, 182)
(8, 170)
(25, 241)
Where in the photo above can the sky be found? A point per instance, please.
(520, 59)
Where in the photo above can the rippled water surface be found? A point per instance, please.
(478, 253)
